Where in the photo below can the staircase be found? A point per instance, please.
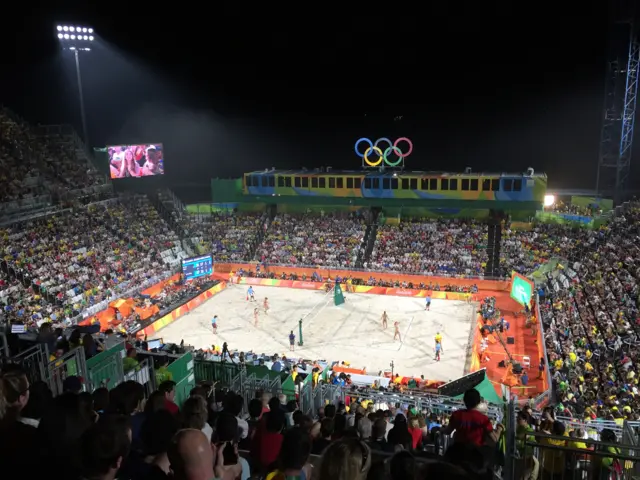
(177, 218)
(493, 247)
(262, 231)
(166, 210)
(369, 240)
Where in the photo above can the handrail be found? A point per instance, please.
(548, 394)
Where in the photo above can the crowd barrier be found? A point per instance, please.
(482, 284)
(545, 397)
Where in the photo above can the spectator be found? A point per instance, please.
(378, 434)
(326, 431)
(399, 436)
(151, 461)
(72, 384)
(14, 434)
(66, 421)
(192, 457)
(104, 447)
(195, 414)
(346, 459)
(469, 425)
(101, 400)
(364, 428)
(403, 466)
(268, 440)
(40, 398)
(294, 454)
(226, 433)
(168, 387)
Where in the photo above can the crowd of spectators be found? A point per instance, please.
(230, 237)
(431, 247)
(215, 434)
(71, 261)
(31, 165)
(568, 208)
(328, 240)
(59, 156)
(590, 313)
(18, 168)
(526, 250)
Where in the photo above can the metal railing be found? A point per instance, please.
(145, 375)
(34, 362)
(70, 364)
(562, 457)
(545, 397)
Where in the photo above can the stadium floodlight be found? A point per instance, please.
(77, 39)
(549, 200)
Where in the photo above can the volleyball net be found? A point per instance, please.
(315, 310)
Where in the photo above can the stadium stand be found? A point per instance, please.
(327, 240)
(431, 247)
(66, 394)
(229, 237)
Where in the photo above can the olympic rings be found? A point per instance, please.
(383, 155)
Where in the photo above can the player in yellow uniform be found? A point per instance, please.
(438, 339)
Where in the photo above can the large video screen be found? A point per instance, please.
(144, 160)
(195, 267)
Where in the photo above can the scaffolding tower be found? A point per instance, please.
(620, 103)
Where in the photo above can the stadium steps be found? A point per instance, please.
(369, 240)
(260, 233)
(493, 248)
(166, 214)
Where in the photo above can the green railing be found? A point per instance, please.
(105, 369)
(182, 370)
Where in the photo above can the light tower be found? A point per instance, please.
(77, 39)
(619, 110)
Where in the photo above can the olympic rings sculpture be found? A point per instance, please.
(383, 155)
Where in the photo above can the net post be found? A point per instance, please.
(300, 342)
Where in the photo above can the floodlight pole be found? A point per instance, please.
(83, 117)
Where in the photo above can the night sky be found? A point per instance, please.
(229, 92)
